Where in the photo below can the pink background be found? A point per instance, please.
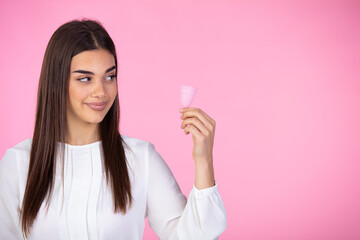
(280, 78)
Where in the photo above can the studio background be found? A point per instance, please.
(280, 78)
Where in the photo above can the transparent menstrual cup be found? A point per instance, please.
(187, 95)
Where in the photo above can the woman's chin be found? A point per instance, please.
(95, 120)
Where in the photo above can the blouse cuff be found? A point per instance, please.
(204, 192)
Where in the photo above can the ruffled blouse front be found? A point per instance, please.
(82, 208)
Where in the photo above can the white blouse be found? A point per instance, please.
(83, 208)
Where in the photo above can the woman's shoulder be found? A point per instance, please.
(22, 148)
(137, 148)
(20, 153)
(135, 143)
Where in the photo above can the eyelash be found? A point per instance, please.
(112, 78)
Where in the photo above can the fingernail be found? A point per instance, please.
(181, 110)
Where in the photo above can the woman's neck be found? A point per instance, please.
(83, 134)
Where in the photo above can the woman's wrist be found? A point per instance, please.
(204, 174)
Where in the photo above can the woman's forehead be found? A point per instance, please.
(95, 60)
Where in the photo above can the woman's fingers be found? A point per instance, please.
(190, 110)
(201, 115)
(197, 123)
(194, 131)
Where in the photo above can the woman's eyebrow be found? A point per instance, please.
(91, 73)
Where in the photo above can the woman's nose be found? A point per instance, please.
(98, 90)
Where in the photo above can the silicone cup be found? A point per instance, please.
(187, 94)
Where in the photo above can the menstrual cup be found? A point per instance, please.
(187, 94)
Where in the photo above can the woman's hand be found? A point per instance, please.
(202, 128)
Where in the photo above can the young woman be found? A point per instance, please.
(79, 178)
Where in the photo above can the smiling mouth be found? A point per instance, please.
(97, 106)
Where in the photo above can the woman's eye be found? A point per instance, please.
(111, 78)
(84, 79)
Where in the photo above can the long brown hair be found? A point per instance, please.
(51, 122)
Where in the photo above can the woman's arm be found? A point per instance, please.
(9, 197)
(202, 128)
(170, 214)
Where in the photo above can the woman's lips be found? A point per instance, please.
(97, 106)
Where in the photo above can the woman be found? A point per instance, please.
(79, 178)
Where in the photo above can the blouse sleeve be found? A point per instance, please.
(9, 197)
(171, 215)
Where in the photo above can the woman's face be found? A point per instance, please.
(92, 86)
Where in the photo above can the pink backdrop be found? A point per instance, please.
(281, 80)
